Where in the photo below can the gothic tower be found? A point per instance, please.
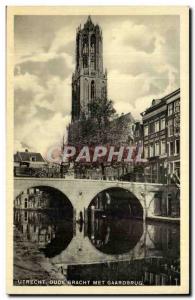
(89, 81)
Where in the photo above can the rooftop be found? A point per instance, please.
(27, 156)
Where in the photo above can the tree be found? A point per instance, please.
(102, 110)
(94, 130)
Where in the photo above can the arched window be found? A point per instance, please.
(85, 61)
(86, 89)
(93, 42)
(92, 90)
(85, 51)
(92, 51)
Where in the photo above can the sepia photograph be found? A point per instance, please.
(98, 138)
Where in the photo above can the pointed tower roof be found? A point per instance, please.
(89, 24)
(89, 21)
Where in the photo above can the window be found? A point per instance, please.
(171, 168)
(156, 124)
(156, 148)
(152, 128)
(145, 130)
(146, 151)
(177, 168)
(177, 106)
(85, 61)
(171, 148)
(137, 133)
(33, 158)
(151, 150)
(92, 90)
(92, 48)
(177, 124)
(162, 147)
(85, 51)
(93, 42)
(177, 147)
(170, 109)
(86, 90)
(92, 65)
(162, 124)
(170, 127)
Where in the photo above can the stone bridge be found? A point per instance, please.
(80, 192)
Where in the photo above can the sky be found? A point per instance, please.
(140, 53)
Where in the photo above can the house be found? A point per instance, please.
(26, 162)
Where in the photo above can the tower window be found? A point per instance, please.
(93, 44)
(85, 52)
(85, 49)
(85, 56)
(93, 48)
(92, 51)
(85, 62)
(92, 65)
(86, 90)
(92, 90)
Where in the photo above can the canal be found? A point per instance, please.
(102, 248)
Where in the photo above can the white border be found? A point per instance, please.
(190, 3)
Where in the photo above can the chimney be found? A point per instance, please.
(26, 150)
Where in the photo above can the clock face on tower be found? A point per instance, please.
(89, 81)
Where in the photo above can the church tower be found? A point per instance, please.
(89, 81)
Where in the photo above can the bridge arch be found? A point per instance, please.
(54, 197)
(123, 199)
(110, 229)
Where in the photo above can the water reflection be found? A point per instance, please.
(116, 202)
(49, 229)
(109, 248)
(114, 236)
(163, 239)
(147, 271)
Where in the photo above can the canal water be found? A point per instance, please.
(106, 250)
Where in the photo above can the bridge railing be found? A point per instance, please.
(131, 177)
(111, 176)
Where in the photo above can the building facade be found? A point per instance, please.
(161, 139)
(173, 137)
(89, 81)
(138, 133)
(32, 199)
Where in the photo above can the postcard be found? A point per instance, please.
(98, 150)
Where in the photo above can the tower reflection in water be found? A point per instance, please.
(49, 229)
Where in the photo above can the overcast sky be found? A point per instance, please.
(141, 54)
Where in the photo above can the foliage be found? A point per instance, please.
(102, 111)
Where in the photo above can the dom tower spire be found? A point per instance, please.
(89, 81)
